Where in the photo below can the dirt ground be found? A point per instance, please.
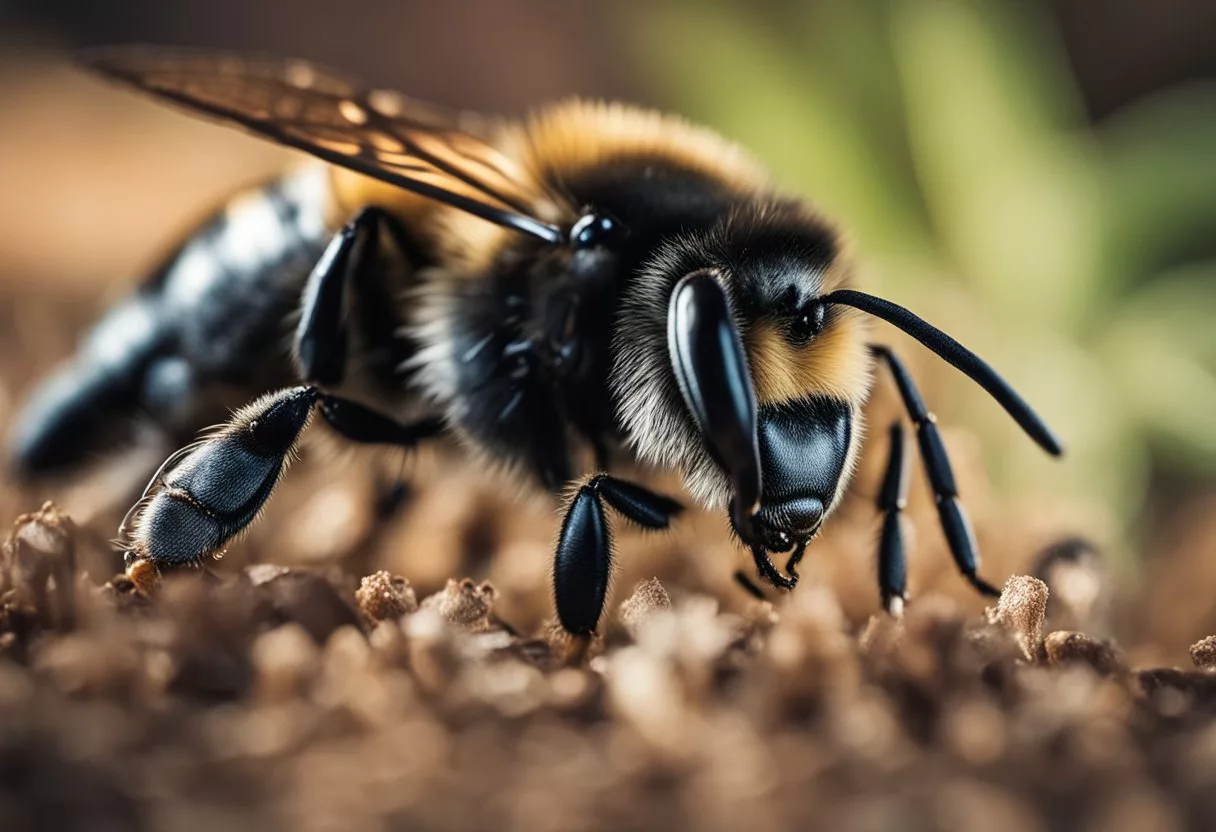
(300, 698)
(347, 666)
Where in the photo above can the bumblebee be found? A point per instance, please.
(593, 285)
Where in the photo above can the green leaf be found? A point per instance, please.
(1172, 394)
(1159, 167)
(1178, 304)
(1012, 196)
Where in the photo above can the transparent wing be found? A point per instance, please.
(379, 133)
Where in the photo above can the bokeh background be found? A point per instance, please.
(1037, 177)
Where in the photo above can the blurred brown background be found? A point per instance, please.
(1032, 176)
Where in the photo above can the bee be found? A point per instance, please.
(592, 286)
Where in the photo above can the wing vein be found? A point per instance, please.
(334, 120)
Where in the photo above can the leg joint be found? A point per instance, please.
(637, 503)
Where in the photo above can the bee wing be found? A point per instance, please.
(379, 133)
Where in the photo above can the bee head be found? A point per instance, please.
(741, 359)
(730, 368)
(785, 451)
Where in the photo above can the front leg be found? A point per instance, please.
(892, 500)
(954, 522)
(583, 562)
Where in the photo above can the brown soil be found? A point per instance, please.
(278, 690)
(276, 697)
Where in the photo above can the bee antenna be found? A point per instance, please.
(956, 354)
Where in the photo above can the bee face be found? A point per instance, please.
(805, 366)
(805, 446)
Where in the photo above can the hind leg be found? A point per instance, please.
(208, 492)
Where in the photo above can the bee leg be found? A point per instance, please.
(954, 522)
(364, 425)
(749, 586)
(892, 499)
(583, 561)
(768, 571)
(791, 565)
(582, 564)
(346, 283)
(639, 504)
(208, 493)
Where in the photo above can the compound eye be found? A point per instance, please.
(806, 322)
(596, 229)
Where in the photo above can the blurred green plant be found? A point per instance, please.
(950, 137)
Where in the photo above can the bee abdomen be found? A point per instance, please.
(91, 400)
(231, 287)
(207, 326)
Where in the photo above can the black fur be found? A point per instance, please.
(534, 338)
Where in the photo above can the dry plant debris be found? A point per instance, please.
(1063, 647)
(38, 569)
(289, 698)
(1021, 609)
(384, 597)
(464, 604)
(1203, 653)
(648, 598)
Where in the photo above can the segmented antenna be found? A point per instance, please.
(956, 354)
